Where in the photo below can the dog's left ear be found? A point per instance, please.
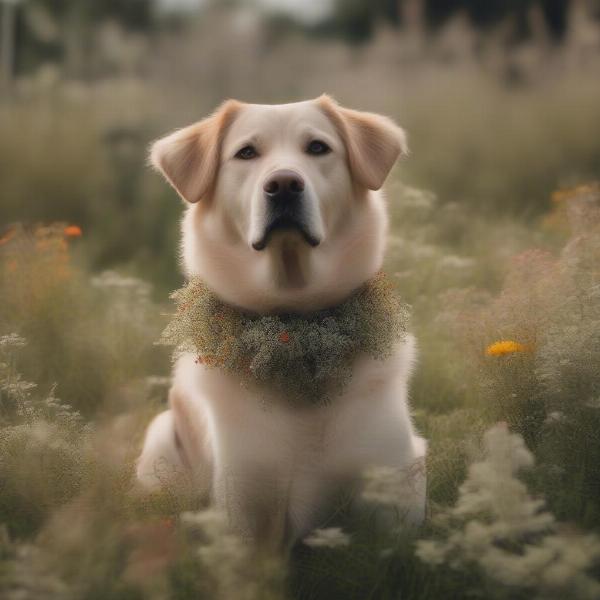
(189, 158)
(373, 142)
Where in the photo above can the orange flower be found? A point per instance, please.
(208, 359)
(504, 347)
(72, 231)
(284, 337)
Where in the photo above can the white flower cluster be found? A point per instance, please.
(18, 391)
(115, 282)
(130, 297)
(235, 570)
(328, 537)
(12, 340)
(497, 528)
(396, 493)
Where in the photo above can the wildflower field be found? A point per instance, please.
(494, 243)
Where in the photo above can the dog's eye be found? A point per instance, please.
(317, 147)
(247, 152)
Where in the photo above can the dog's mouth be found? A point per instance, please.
(282, 223)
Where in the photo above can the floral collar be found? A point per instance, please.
(307, 357)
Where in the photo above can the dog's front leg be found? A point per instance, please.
(176, 451)
(256, 503)
(160, 463)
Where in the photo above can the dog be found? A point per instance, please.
(274, 468)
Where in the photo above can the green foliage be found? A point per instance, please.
(40, 466)
(515, 159)
(74, 525)
(56, 469)
(70, 318)
(502, 534)
(548, 390)
(77, 153)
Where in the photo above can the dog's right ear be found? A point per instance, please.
(189, 158)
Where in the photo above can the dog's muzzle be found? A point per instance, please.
(284, 194)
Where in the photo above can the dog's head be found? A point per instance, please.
(283, 213)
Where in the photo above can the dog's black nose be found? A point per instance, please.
(283, 185)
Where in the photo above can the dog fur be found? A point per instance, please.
(272, 466)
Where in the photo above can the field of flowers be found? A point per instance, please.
(500, 263)
(508, 393)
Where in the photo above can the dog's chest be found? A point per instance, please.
(289, 463)
(291, 459)
(271, 433)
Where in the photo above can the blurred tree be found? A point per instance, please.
(355, 19)
(134, 14)
(491, 12)
(62, 30)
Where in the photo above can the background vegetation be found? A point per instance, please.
(494, 239)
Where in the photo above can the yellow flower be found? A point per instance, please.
(503, 347)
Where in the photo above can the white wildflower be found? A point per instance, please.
(210, 522)
(392, 485)
(329, 537)
(593, 403)
(221, 549)
(12, 340)
(555, 417)
(383, 485)
(235, 569)
(497, 527)
(17, 386)
(397, 493)
(114, 280)
(129, 298)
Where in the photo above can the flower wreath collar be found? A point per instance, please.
(306, 357)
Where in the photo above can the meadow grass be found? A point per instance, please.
(74, 524)
(501, 274)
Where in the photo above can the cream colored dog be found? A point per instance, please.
(272, 466)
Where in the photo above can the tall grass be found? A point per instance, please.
(68, 441)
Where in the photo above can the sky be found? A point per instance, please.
(307, 10)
